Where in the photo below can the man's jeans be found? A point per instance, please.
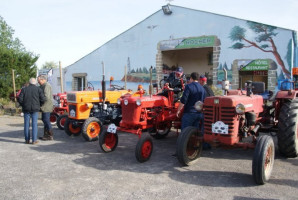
(45, 117)
(34, 117)
(192, 119)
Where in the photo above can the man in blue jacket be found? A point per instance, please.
(31, 98)
(193, 92)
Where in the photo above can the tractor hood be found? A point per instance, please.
(146, 101)
(94, 96)
(251, 103)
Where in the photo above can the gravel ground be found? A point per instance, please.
(70, 168)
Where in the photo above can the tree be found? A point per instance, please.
(49, 65)
(14, 57)
(263, 41)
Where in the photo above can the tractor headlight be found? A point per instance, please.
(138, 102)
(199, 106)
(240, 109)
(126, 102)
(119, 101)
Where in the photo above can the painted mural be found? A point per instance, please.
(137, 48)
(264, 36)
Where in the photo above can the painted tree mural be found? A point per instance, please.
(263, 41)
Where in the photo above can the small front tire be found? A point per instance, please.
(92, 128)
(108, 141)
(263, 159)
(144, 148)
(70, 128)
(61, 121)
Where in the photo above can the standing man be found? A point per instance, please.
(193, 92)
(203, 82)
(46, 108)
(31, 98)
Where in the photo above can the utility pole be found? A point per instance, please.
(14, 86)
(61, 77)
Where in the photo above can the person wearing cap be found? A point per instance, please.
(203, 82)
(193, 93)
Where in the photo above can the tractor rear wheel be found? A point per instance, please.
(108, 141)
(70, 128)
(288, 130)
(189, 145)
(92, 128)
(144, 148)
(161, 130)
(61, 121)
(53, 118)
(263, 159)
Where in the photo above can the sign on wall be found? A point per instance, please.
(255, 65)
(187, 43)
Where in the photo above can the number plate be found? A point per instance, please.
(112, 128)
(220, 128)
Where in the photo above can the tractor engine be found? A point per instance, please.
(60, 100)
(228, 119)
(142, 112)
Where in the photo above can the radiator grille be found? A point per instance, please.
(216, 113)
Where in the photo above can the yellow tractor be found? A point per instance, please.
(89, 110)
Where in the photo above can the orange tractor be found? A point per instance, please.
(88, 112)
(240, 119)
(155, 114)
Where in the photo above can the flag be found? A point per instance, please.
(50, 74)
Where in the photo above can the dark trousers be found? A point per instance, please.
(45, 117)
(192, 119)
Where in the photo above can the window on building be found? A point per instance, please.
(79, 82)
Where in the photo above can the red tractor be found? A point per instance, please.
(240, 119)
(155, 114)
(59, 114)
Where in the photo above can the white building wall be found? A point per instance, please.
(140, 43)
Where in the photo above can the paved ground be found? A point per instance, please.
(70, 168)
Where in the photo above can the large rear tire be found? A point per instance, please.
(61, 121)
(71, 129)
(144, 148)
(108, 141)
(189, 145)
(263, 159)
(288, 129)
(92, 128)
(161, 130)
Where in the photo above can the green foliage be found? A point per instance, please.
(288, 56)
(50, 65)
(237, 45)
(237, 33)
(14, 57)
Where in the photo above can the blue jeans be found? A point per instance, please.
(45, 117)
(192, 119)
(34, 117)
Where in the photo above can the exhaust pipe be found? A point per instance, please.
(150, 86)
(256, 129)
(103, 86)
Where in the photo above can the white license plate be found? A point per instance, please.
(220, 128)
(112, 128)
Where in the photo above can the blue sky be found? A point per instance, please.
(66, 30)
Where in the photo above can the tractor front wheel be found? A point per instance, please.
(263, 159)
(108, 141)
(189, 145)
(61, 121)
(53, 118)
(288, 129)
(144, 148)
(72, 127)
(92, 128)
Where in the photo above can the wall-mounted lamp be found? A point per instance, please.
(166, 9)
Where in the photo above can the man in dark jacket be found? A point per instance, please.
(31, 98)
(193, 93)
(203, 82)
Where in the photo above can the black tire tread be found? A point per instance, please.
(287, 129)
